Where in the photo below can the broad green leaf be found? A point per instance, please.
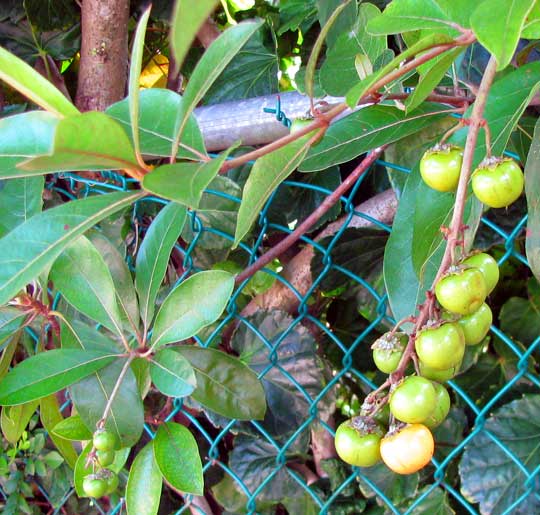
(82, 277)
(177, 457)
(154, 254)
(134, 77)
(406, 15)
(10, 321)
(430, 78)
(415, 247)
(186, 21)
(193, 304)
(266, 175)
(8, 353)
(88, 141)
(183, 182)
(143, 489)
(32, 246)
(488, 469)
(354, 95)
(531, 29)
(91, 395)
(316, 50)
(218, 55)
(368, 128)
(339, 71)
(72, 428)
(378, 479)
(532, 190)
(20, 199)
(325, 9)
(225, 385)
(158, 111)
(172, 374)
(253, 72)
(498, 24)
(31, 84)
(23, 136)
(126, 296)
(436, 501)
(48, 372)
(14, 420)
(50, 415)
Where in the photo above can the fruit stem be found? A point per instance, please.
(487, 134)
(449, 133)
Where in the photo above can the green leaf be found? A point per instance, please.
(193, 304)
(218, 55)
(325, 9)
(316, 50)
(158, 111)
(153, 256)
(265, 176)
(186, 21)
(143, 489)
(497, 24)
(177, 457)
(183, 182)
(359, 90)
(430, 78)
(82, 277)
(20, 199)
(14, 420)
(531, 29)
(365, 129)
(225, 385)
(488, 470)
(33, 85)
(435, 503)
(91, 395)
(72, 428)
(406, 15)
(10, 320)
(378, 479)
(172, 374)
(24, 136)
(32, 246)
(50, 415)
(415, 247)
(532, 191)
(48, 372)
(135, 75)
(126, 296)
(88, 141)
(339, 71)
(252, 73)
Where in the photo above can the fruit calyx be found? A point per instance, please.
(365, 425)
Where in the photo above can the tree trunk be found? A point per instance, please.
(104, 54)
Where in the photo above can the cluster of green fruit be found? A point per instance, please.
(419, 403)
(497, 182)
(104, 481)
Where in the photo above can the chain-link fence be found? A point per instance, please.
(314, 403)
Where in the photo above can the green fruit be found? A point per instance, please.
(462, 291)
(105, 441)
(387, 351)
(438, 375)
(94, 487)
(498, 183)
(442, 407)
(357, 442)
(442, 347)
(440, 167)
(105, 458)
(476, 325)
(413, 400)
(112, 482)
(488, 266)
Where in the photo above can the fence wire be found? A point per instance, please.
(325, 503)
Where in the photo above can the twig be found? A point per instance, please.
(476, 121)
(323, 208)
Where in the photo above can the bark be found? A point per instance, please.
(104, 54)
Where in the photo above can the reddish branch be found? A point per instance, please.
(310, 221)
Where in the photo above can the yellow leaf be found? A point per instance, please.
(155, 72)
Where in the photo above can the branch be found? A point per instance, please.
(323, 208)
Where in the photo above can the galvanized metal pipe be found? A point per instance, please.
(246, 121)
